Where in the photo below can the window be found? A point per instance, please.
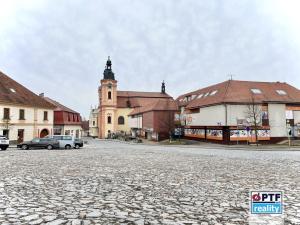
(69, 117)
(21, 114)
(94, 123)
(6, 113)
(256, 91)
(281, 92)
(188, 98)
(206, 94)
(213, 93)
(109, 95)
(45, 115)
(67, 137)
(121, 120)
(109, 119)
(200, 96)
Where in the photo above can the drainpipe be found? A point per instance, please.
(225, 114)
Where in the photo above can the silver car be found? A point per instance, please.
(65, 141)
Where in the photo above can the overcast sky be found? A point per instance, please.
(60, 47)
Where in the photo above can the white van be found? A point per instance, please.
(65, 141)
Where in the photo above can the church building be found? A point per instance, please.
(115, 107)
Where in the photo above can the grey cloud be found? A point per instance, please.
(61, 48)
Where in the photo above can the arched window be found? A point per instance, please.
(109, 119)
(121, 120)
(109, 95)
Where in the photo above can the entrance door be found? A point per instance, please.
(20, 135)
(6, 133)
(44, 133)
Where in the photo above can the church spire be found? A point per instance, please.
(108, 73)
(163, 87)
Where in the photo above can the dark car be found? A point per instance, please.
(78, 143)
(47, 143)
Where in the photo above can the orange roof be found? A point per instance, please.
(142, 94)
(14, 93)
(234, 91)
(138, 99)
(158, 105)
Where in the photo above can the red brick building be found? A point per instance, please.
(66, 120)
(154, 121)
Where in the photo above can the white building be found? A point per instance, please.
(224, 112)
(93, 122)
(23, 114)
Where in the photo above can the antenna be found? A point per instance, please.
(231, 76)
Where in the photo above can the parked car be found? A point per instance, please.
(78, 143)
(4, 142)
(47, 143)
(65, 141)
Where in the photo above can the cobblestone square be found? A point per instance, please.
(118, 183)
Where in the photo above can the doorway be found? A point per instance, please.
(44, 133)
(6, 133)
(20, 135)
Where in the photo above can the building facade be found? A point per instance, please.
(115, 106)
(93, 122)
(241, 111)
(23, 114)
(154, 121)
(66, 120)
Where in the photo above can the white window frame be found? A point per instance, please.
(256, 91)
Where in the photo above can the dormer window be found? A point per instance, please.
(213, 93)
(256, 91)
(188, 98)
(206, 94)
(12, 90)
(200, 96)
(281, 92)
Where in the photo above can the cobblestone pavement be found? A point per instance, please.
(118, 183)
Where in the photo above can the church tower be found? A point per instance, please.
(107, 102)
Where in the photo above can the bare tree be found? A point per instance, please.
(253, 115)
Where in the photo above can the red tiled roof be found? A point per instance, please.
(59, 106)
(158, 105)
(142, 94)
(138, 99)
(234, 91)
(14, 93)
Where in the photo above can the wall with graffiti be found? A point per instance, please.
(213, 134)
(196, 133)
(244, 135)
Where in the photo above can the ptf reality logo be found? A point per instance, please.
(266, 202)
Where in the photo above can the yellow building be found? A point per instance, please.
(115, 106)
(23, 114)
